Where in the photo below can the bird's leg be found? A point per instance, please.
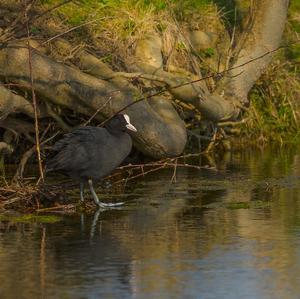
(81, 191)
(98, 202)
(96, 199)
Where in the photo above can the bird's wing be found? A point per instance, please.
(72, 151)
(80, 135)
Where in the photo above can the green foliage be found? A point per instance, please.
(295, 6)
(273, 114)
(80, 11)
(293, 53)
(129, 27)
(157, 4)
(293, 31)
(184, 5)
(107, 58)
(208, 53)
(295, 25)
(34, 30)
(181, 46)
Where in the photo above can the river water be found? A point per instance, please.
(230, 233)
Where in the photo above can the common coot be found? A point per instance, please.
(90, 153)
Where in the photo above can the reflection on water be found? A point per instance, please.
(233, 233)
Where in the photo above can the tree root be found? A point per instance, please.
(71, 88)
(13, 103)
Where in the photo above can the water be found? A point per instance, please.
(231, 233)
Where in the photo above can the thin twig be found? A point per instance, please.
(138, 175)
(36, 123)
(96, 112)
(157, 165)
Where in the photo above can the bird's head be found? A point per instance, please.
(120, 122)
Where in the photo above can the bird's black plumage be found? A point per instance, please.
(90, 153)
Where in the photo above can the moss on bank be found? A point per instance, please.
(29, 218)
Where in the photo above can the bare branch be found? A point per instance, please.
(36, 123)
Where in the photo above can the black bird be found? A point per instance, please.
(91, 153)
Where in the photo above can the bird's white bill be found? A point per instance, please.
(129, 126)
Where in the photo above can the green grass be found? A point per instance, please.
(81, 10)
(295, 6)
(273, 115)
(118, 24)
(293, 31)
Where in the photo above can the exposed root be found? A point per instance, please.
(58, 119)
(6, 147)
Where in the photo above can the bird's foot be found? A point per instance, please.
(100, 203)
(109, 204)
